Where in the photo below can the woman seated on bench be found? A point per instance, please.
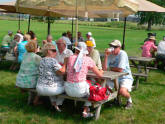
(77, 69)
(28, 74)
(50, 83)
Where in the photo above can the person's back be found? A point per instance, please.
(147, 48)
(73, 76)
(21, 50)
(47, 71)
(161, 48)
(29, 72)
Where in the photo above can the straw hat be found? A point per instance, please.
(152, 38)
(115, 43)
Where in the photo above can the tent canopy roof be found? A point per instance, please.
(86, 8)
(91, 8)
(147, 6)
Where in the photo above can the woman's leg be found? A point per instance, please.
(56, 101)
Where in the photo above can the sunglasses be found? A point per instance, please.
(113, 46)
(53, 50)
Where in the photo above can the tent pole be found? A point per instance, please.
(29, 23)
(19, 22)
(72, 29)
(76, 21)
(125, 22)
(48, 25)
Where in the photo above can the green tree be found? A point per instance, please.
(152, 17)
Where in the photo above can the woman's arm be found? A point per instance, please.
(62, 70)
(15, 51)
(97, 71)
(116, 69)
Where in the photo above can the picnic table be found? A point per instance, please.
(141, 64)
(107, 75)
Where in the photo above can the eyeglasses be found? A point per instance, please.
(114, 46)
(53, 50)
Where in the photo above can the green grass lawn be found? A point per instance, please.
(149, 99)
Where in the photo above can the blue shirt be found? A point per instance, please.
(120, 61)
(21, 50)
(54, 43)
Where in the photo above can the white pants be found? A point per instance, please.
(79, 89)
(51, 92)
(126, 83)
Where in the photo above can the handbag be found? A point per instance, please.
(97, 93)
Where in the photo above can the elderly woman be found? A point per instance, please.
(149, 47)
(21, 47)
(29, 71)
(77, 69)
(50, 83)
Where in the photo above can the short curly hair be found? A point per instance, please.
(31, 46)
(47, 47)
(27, 37)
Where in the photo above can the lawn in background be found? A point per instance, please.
(149, 99)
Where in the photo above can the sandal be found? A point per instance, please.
(57, 108)
(87, 115)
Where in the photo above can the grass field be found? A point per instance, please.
(149, 99)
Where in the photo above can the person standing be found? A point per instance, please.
(90, 38)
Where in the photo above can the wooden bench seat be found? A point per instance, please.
(153, 68)
(95, 104)
(137, 76)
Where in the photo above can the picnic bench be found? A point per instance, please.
(140, 63)
(97, 105)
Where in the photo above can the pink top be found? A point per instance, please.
(147, 47)
(75, 77)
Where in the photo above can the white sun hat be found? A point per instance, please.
(82, 47)
(89, 33)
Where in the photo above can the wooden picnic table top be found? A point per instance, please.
(108, 74)
(142, 59)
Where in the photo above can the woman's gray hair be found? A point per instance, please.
(47, 47)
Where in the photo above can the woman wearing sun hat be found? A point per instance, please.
(149, 47)
(77, 69)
